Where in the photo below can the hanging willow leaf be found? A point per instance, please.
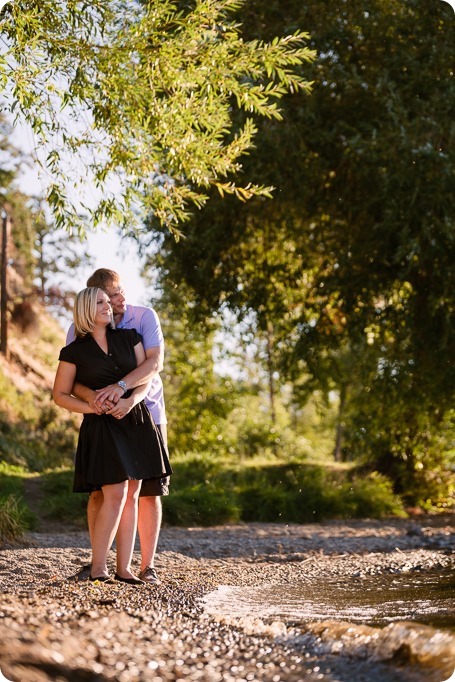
(138, 100)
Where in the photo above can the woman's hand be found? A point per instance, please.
(100, 408)
(122, 408)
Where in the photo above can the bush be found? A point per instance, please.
(408, 439)
(34, 433)
(206, 491)
(371, 496)
(200, 505)
(13, 519)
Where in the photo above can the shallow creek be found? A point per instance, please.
(403, 623)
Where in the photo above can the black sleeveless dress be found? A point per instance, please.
(112, 450)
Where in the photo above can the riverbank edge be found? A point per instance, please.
(63, 624)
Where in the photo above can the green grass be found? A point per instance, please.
(15, 515)
(205, 491)
(11, 480)
(213, 491)
(59, 501)
(209, 491)
(13, 519)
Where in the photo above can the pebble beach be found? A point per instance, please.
(56, 627)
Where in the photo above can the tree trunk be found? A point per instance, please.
(338, 450)
(270, 370)
(6, 228)
(41, 268)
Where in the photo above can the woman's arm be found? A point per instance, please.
(63, 385)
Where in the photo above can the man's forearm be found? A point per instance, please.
(83, 392)
(142, 374)
(140, 392)
(124, 405)
(145, 372)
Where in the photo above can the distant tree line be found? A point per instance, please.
(37, 257)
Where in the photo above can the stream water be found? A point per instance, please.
(388, 620)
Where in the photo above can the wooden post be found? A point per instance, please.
(6, 229)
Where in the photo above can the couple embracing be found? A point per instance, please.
(109, 372)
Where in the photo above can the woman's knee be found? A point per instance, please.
(115, 494)
(96, 496)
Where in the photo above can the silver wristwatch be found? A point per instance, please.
(122, 385)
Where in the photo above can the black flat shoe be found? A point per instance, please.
(100, 578)
(128, 581)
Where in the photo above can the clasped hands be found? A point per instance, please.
(108, 400)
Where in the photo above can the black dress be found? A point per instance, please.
(112, 450)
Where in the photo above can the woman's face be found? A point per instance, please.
(103, 309)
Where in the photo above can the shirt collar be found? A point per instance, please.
(128, 316)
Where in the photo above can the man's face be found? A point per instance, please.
(116, 297)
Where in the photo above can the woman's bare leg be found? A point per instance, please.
(93, 506)
(126, 533)
(106, 525)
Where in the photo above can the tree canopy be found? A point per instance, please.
(350, 266)
(138, 100)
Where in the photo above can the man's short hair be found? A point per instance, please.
(102, 278)
(84, 311)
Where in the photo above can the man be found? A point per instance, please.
(146, 322)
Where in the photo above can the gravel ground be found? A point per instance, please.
(54, 627)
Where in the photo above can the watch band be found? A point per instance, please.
(122, 385)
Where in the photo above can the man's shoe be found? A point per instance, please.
(148, 575)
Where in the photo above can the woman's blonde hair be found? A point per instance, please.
(84, 311)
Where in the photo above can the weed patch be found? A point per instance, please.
(13, 519)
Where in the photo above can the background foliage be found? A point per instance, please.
(309, 340)
(347, 275)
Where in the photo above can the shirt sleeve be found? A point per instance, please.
(67, 355)
(150, 329)
(70, 335)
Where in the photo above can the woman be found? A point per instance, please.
(118, 449)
